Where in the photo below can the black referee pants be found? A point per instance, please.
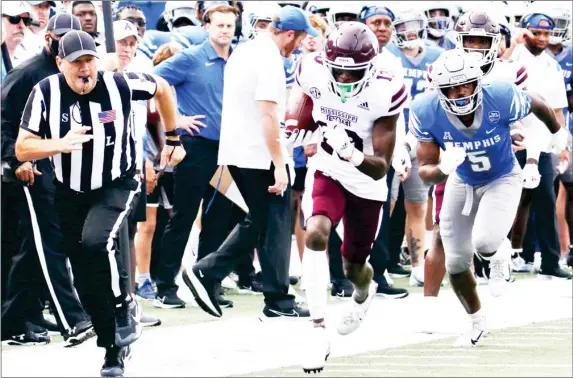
(40, 262)
(90, 225)
(267, 227)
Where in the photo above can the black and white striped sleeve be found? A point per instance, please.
(143, 86)
(34, 116)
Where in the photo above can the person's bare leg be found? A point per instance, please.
(416, 231)
(434, 266)
(464, 285)
(561, 219)
(143, 242)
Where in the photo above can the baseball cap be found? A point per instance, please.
(293, 18)
(61, 23)
(75, 44)
(50, 3)
(15, 8)
(537, 21)
(123, 29)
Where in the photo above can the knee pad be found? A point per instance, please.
(458, 263)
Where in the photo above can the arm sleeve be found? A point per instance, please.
(34, 116)
(15, 89)
(417, 128)
(142, 86)
(519, 105)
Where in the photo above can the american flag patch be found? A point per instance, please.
(107, 116)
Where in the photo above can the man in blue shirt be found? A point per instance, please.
(197, 76)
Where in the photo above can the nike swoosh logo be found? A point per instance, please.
(292, 313)
(474, 342)
(568, 64)
(490, 131)
(208, 64)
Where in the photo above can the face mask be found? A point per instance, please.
(54, 46)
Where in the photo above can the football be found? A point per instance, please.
(299, 114)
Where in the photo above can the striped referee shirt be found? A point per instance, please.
(53, 109)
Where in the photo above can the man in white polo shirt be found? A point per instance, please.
(254, 102)
(545, 78)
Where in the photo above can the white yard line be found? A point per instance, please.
(450, 349)
(245, 345)
(409, 356)
(430, 364)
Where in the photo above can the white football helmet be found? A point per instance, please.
(258, 11)
(561, 15)
(342, 8)
(410, 28)
(439, 25)
(176, 10)
(456, 67)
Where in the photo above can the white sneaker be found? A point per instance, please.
(229, 284)
(537, 262)
(519, 265)
(356, 312)
(471, 338)
(417, 277)
(499, 271)
(317, 350)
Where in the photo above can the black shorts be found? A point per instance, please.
(163, 193)
(300, 176)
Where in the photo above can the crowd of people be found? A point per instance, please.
(373, 140)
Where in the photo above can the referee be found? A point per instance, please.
(82, 119)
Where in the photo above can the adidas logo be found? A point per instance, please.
(364, 106)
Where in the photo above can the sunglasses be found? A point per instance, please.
(15, 20)
(137, 21)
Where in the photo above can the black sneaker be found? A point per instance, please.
(169, 300)
(78, 334)
(387, 291)
(405, 256)
(296, 312)
(37, 329)
(342, 289)
(46, 324)
(224, 303)
(114, 363)
(293, 280)
(252, 288)
(398, 271)
(127, 326)
(27, 338)
(554, 274)
(149, 321)
(204, 290)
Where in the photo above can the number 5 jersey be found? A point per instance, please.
(383, 96)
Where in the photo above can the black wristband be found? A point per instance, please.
(173, 142)
(172, 133)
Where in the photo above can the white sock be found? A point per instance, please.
(315, 272)
(142, 277)
(477, 317)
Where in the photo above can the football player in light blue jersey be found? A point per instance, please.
(561, 49)
(410, 28)
(471, 124)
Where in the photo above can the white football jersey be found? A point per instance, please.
(507, 70)
(384, 96)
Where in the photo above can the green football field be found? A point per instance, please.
(530, 335)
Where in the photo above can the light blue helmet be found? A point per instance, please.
(410, 28)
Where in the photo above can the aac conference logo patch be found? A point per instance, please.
(315, 92)
(493, 116)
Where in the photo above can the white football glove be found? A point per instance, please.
(560, 139)
(338, 139)
(451, 158)
(531, 176)
(401, 160)
(295, 138)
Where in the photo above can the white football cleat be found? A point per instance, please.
(356, 312)
(317, 350)
(499, 269)
(417, 277)
(471, 338)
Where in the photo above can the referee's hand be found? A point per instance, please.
(171, 155)
(74, 139)
(26, 173)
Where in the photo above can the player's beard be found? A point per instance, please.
(532, 47)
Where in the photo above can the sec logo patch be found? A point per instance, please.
(315, 92)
